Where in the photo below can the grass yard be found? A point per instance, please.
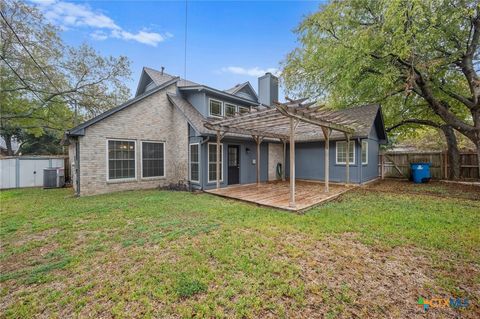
(372, 253)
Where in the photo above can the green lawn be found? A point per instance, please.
(173, 254)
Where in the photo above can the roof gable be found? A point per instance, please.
(244, 90)
(80, 129)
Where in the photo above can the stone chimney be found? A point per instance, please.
(267, 89)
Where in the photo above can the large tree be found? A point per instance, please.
(419, 58)
(45, 85)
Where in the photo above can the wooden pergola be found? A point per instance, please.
(288, 121)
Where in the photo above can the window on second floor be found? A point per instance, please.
(215, 108)
(230, 109)
(243, 109)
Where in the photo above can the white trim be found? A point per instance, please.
(129, 179)
(221, 108)
(225, 109)
(347, 155)
(164, 160)
(221, 161)
(366, 153)
(190, 162)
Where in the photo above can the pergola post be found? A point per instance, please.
(348, 158)
(284, 158)
(292, 162)
(258, 140)
(326, 134)
(218, 159)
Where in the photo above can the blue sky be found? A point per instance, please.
(228, 42)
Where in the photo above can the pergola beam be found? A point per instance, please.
(313, 120)
(227, 129)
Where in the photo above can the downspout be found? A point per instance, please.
(77, 166)
(360, 163)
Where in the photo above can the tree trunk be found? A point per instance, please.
(478, 159)
(452, 152)
(8, 143)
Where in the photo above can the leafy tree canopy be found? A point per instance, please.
(46, 85)
(418, 58)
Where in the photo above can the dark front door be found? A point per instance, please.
(233, 164)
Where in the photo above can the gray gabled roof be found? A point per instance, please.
(80, 129)
(239, 87)
(159, 78)
(366, 116)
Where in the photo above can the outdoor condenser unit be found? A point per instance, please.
(53, 177)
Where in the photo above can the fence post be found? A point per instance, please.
(382, 166)
(445, 165)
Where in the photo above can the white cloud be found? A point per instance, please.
(99, 35)
(68, 15)
(254, 72)
(145, 37)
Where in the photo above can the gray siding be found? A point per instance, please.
(310, 162)
(246, 93)
(370, 171)
(248, 170)
(199, 100)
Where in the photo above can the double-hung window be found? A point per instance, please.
(212, 162)
(230, 109)
(215, 108)
(194, 162)
(153, 159)
(364, 152)
(341, 153)
(121, 159)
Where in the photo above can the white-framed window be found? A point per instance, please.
(243, 109)
(215, 108)
(341, 152)
(153, 159)
(230, 109)
(195, 162)
(212, 162)
(365, 152)
(121, 160)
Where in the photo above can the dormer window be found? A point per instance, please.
(230, 109)
(215, 108)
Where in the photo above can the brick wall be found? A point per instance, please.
(153, 118)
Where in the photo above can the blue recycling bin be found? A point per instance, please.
(420, 172)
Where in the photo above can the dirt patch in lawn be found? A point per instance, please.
(347, 279)
(433, 188)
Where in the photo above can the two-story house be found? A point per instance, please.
(159, 138)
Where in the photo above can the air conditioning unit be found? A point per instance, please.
(53, 177)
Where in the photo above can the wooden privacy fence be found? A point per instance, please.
(397, 164)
